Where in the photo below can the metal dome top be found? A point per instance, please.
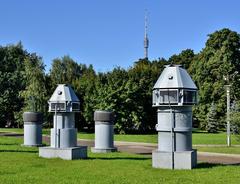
(64, 99)
(63, 93)
(174, 76)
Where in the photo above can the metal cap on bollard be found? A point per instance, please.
(34, 117)
(105, 116)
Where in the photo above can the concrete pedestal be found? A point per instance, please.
(73, 153)
(103, 150)
(182, 159)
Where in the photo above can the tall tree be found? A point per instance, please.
(11, 82)
(129, 94)
(35, 92)
(85, 87)
(143, 75)
(111, 94)
(64, 71)
(219, 58)
(81, 77)
(185, 58)
(235, 119)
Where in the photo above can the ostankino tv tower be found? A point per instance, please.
(146, 41)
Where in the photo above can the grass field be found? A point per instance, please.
(218, 149)
(22, 165)
(198, 137)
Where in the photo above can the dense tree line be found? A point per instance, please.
(128, 92)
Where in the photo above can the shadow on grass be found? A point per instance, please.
(11, 134)
(203, 132)
(147, 153)
(212, 165)
(18, 151)
(207, 165)
(9, 144)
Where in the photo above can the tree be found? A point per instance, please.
(219, 57)
(85, 87)
(35, 92)
(64, 71)
(129, 94)
(185, 58)
(143, 76)
(111, 93)
(82, 78)
(235, 119)
(212, 122)
(11, 82)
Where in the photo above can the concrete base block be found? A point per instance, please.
(101, 150)
(181, 160)
(72, 153)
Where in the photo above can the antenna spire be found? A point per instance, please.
(146, 41)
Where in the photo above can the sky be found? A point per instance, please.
(110, 33)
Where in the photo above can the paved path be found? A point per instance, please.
(146, 149)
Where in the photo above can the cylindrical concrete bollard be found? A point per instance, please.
(104, 124)
(32, 128)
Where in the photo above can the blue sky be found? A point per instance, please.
(109, 33)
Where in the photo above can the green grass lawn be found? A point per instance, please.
(222, 149)
(17, 130)
(149, 138)
(22, 165)
(209, 138)
(198, 137)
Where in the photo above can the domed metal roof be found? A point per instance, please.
(174, 76)
(64, 93)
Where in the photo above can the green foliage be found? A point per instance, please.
(11, 82)
(35, 92)
(65, 71)
(219, 58)
(22, 79)
(212, 122)
(185, 58)
(235, 119)
(85, 87)
(127, 92)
